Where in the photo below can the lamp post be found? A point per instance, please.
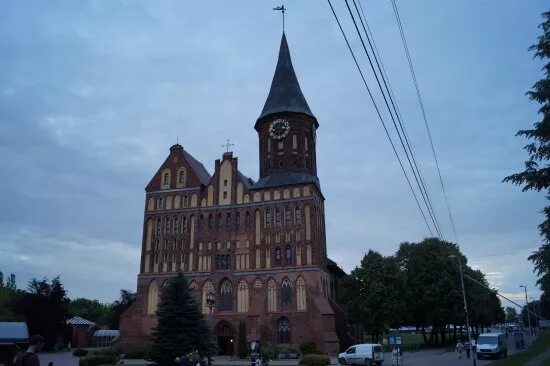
(527, 308)
(465, 307)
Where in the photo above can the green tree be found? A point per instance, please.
(242, 349)
(511, 315)
(88, 309)
(536, 175)
(10, 283)
(45, 308)
(115, 310)
(181, 327)
(374, 293)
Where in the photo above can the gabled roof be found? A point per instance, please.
(285, 94)
(247, 181)
(197, 167)
(76, 320)
(15, 332)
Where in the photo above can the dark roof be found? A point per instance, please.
(247, 181)
(332, 266)
(286, 178)
(15, 332)
(198, 168)
(285, 94)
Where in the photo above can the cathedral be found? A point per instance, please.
(251, 250)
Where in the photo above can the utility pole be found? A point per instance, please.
(527, 309)
(465, 308)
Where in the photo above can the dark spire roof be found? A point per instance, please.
(285, 94)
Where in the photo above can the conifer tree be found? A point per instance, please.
(181, 327)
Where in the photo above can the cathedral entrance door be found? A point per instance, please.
(225, 338)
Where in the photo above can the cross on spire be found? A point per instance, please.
(282, 9)
(227, 145)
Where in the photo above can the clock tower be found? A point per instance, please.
(286, 129)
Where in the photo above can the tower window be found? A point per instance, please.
(220, 220)
(267, 218)
(247, 220)
(181, 177)
(224, 195)
(166, 177)
(210, 221)
(288, 254)
(277, 255)
(277, 217)
(225, 182)
(298, 215)
(287, 216)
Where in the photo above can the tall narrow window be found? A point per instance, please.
(220, 220)
(184, 225)
(288, 256)
(286, 291)
(277, 255)
(152, 298)
(185, 201)
(287, 216)
(301, 304)
(277, 217)
(242, 297)
(201, 222)
(167, 227)
(210, 221)
(176, 225)
(228, 221)
(298, 215)
(267, 218)
(238, 220)
(160, 202)
(226, 294)
(271, 296)
(159, 226)
(284, 331)
(247, 220)
(207, 290)
(182, 177)
(166, 177)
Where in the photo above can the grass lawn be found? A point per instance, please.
(541, 344)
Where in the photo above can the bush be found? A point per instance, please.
(270, 352)
(107, 352)
(143, 352)
(98, 360)
(79, 352)
(315, 360)
(308, 348)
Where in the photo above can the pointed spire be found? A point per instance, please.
(285, 94)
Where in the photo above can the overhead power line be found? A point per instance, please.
(419, 96)
(380, 118)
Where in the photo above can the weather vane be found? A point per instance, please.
(282, 10)
(227, 145)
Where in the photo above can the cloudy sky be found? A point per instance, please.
(93, 94)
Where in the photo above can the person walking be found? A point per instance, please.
(459, 348)
(258, 361)
(30, 357)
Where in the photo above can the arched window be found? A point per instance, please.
(167, 226)
(201, 222)
(166, 178)
(152, 298)
(284, 331)
(247, 220)
(238, 220)
(277, 255)
(226, 294)
(228, 221)
(160, 205)
(210, 221)
(267, 218)
(301, 304)
(271, 296)
(159, 226)
(277, 217)
(176, 225)
(181, 177)
(286, 292)
(298, 216)
(287, 216)
(242, 297)
(184, 224)
(220, 220)
(185, 202)
(207, 288)
(288, 254)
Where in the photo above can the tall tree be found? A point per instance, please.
(10, 283)
(112, 318)
(374, 293)
(91, 310)
(536, 175)
(511, 315)
(181, 326)
(45, 308)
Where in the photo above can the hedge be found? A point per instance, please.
(98, 360)
(79, 352)
(315, 360)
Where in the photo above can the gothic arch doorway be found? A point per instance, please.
(225, 336)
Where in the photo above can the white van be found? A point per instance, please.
(362, 354)
(492, 345)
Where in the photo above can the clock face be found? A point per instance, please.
(279, 128)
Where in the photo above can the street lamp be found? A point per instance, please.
(527, 309)
(465, 307)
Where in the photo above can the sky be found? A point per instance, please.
(93, 94)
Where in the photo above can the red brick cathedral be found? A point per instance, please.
(252, 251)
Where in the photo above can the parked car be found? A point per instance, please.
(492, 345)
(362, 354)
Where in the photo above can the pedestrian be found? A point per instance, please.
(395, 356)
(69, 346)
(30, 357)
(459, 348)
(258, 361)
